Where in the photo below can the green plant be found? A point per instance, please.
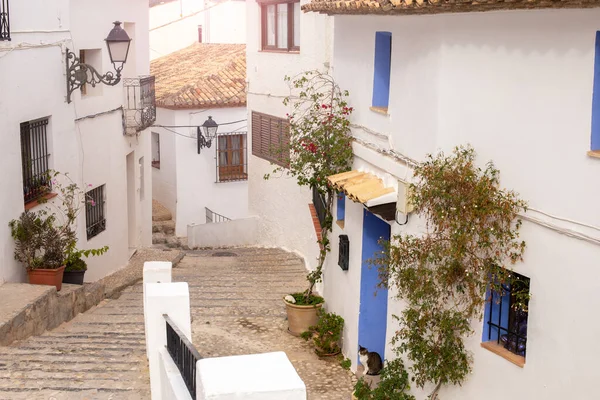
(75, 262)
(393, 385)
(326, 334)
(472, 233)
(320, 145)
(345, 363)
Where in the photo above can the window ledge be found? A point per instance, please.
(340, 223)
(379, 110)
(282, 51)
(594, 153)
(44, 198)
(498, 349)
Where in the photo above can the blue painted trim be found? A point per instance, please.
(341, 206)
(595, 145)
(372, 319)
(383, 64)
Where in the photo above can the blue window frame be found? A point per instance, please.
(341, 206)
(383, 64)
(595, 145)
(504, 322)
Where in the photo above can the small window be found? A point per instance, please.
(383, 64)
(505, 320)
(271, 138)
(95, 221)
(34, 159)
(231, 158)
(155, 150)
(595, 145)
(344, 253)
(281, 26)
(341, 206)
(91, 57)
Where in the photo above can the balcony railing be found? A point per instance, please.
(140, 103)
(4, 21)
(213, 217)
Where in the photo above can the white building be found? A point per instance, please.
(200, 82)
(84, 138)
(176, 24)
(520, 86)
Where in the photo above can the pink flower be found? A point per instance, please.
(89, 185)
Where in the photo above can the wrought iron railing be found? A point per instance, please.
(320, 205)
(184, 355)
(4, 21)
(213, 217)
(140, 103)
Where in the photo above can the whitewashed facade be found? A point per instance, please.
(175, 25)
(93, 151)
(517, 86)
(187, 182)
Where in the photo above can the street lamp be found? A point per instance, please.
(78, 73)
(206, 132)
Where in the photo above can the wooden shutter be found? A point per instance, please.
(256, 136)
(270, 138)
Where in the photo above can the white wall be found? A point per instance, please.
(174, 26)
(279, 202)
(238, 232)
(195, 174)
(518, 87)
(82, 148)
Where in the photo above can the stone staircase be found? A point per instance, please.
(163, 228)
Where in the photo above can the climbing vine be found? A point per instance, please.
(320, 145)
(471, 240)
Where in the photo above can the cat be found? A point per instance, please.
(371, 360)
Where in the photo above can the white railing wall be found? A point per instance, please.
(237, 232)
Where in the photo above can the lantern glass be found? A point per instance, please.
(210, 127)
(118, 42)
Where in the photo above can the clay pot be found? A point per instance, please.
(52, 277)
(300, 318)
(74, 277)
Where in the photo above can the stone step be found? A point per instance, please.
(167, 227)
(160, 212)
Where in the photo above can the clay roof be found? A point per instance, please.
(359, 186)
(203, 75)
(399, 7)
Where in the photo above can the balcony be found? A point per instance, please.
(4, 21)
(140, 104)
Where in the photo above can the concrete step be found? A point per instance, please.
(160, 212)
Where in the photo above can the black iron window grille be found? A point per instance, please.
(320, 204)
(232, 156)
(213, 218)
(344, 253)
(507, 317)
(156, 150)
(4, 21)
(184, 355)
(140, 103)
(34, 159)
(95, 220)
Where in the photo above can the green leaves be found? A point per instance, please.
(472, 236)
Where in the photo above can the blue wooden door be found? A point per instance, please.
(372, 320)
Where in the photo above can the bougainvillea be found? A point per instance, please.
(471, 240)
(320, 144)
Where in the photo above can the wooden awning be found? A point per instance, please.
(360, 186)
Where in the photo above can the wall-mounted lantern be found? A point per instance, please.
(206, 133)
(78, 73)
(344, 253)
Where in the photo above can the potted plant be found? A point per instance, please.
(76, 266)
(394, 384)
(41, 245)
(320, 145)
(326, 334)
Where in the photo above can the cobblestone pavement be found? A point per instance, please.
(236, 309)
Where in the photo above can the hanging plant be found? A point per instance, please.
(320, 145)
(472, 235)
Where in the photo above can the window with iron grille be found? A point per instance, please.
(280, 22)
(505, 319)
(4, 21)
(271, 138)
(34, 159)
(95, 220)
(231, 157)
(344, 253)
(155, 150)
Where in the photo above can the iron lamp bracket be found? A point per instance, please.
(79, 74)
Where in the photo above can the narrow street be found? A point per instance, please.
(236, 309)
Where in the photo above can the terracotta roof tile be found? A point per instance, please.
(204, 75)
(398, 7)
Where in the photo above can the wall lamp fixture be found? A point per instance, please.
(78, 73)
(206, 133)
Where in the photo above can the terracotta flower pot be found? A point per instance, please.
(300, 318)
(52, 277)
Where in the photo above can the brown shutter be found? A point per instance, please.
(256, 134)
